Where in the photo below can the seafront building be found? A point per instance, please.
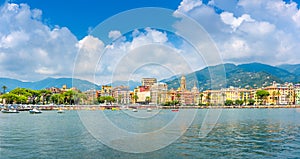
(157, 93)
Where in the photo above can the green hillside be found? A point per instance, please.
(250, 75)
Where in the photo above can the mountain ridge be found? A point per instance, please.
(249, 75)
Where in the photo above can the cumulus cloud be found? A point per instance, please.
(244, 31)
(114, 34)
(248, 31)
(149, 48)
(234, 22)
(29, 49)
(187, 5)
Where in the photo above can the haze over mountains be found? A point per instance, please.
(244, 75)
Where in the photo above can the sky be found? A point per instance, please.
(58, 38)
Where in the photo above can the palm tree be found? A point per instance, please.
(273, 96)
(4, 89)
(201, 96)
(277, 99)
(147, 99)
(208, 98)
(223, 95)
(135, 97)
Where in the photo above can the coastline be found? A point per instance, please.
(118, 107)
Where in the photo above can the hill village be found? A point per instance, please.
(152, 92)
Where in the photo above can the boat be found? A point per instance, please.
(60, 111)
(9, 111)
(35, 111)
(149, 110)
(175, 110)
(134, 110)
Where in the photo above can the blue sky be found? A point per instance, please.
(80, 15)
(48, 38)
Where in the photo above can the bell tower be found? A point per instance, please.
(183, 83)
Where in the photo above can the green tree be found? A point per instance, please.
(4, 89)
(262, 96)
(228, 102)
(239, 102)
(201, 97)
(103, 99)
(135, 97)
(208, 97)
(57, 98)
(45, 95)
(148, 100)
(251, 101)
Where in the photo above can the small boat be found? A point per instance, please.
(9, 111)
(149, 110)
(114, 108)
(175, 110)
(35, 111)
(134, 110)
(60, 111)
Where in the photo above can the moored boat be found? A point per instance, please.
(134, 110)
(9, 111)
(35, 111)
(175, 110)
(60, 111)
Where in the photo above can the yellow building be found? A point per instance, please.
(106, 90)
(280, 94)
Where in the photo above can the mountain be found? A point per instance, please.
(295, 69)
(82, 85)
(283, 74)
(249, 75)
(245, 75)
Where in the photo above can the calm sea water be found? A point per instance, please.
(239, 133)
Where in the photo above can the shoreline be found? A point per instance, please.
(141, 107)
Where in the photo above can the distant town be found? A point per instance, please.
(152, 92)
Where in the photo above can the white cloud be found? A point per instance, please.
(229, 19)
(296, 18)
(265, 31)
(244, 31)
(187, 5)
(30, 50)
(114, 34)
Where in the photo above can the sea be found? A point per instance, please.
(85, 134)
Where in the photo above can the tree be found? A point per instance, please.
(228, 102)
(201, 96)
(208, 97)
(223, 97)
(277, 99)
(239, 102)
(251, 101)
(148, 100)
(4, 88)
(262, 95)
(45, 95)
(103, 99)
(135, 97)
(57, 98)
(273, 96)
(178, 95)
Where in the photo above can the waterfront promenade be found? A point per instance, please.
(119, 107)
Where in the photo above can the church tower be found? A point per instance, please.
(183, 83)
(194, 89)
